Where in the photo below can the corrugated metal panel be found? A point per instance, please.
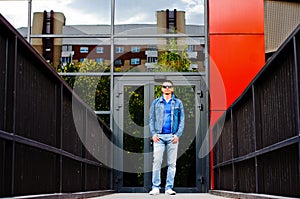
(245, 176)
(41, 175)
(276, 102)
(35, 108)
(225, 178)
(281, 18)
(244, 137)
(70, 139)
(2, 80)
(278, 172)
(72, 174)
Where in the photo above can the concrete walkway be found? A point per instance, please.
(162, 195)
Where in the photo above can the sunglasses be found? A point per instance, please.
(167, 86)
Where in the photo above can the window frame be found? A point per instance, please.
(135, 61)
(135, 49)
(119, 49)
(100, 50)
(84, 49)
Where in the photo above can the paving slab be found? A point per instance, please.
(160, 196)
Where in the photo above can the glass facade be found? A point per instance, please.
(92, 44)
(134, 37)
(111, 37)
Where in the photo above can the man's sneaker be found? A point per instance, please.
(154, 191)
(170, 192)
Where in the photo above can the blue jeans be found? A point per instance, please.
(158, 151)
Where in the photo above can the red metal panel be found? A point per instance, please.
(236, 47)
(236, 16)
(236, 59)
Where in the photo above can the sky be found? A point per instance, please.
(78, 12)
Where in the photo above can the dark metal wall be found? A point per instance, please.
(259, 145)
(40, 150)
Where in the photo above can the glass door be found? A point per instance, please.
(133, 159)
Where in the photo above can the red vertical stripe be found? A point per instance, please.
(236, 47)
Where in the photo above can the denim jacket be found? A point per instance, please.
(157, 116)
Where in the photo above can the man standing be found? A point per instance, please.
(166, 126)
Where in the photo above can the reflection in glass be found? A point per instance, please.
(105, 119)
(164, 37)
(144, 11)
(77, 12)
(14, 12)
(93, 90)
(167, 44)
(186, 163)
(168, 36)
(159, 55)
(133, 141)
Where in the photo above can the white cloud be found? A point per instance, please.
(194, 11)
(134, 19)
(73, 15)
(194, 6)
(16, 12)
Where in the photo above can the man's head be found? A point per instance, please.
(167, 87)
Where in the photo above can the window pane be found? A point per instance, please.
(135, 49)
(17, 19)
(93, 90)
(90, 50)
(135, 61)
(167, 17)
(145, 11)
(133, 140)
(153, 58)
(99, 60)
(75, 12)
(84, 49)
(119, 49)
(148, 18)
(100, 49)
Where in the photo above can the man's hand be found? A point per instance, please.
(175, 139)
(155, 138)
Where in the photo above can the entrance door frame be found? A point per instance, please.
(149, 82)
